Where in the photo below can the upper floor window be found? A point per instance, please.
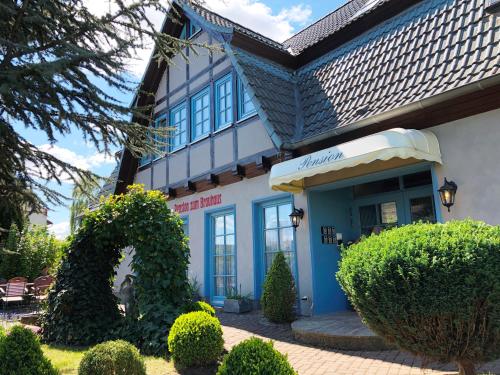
(178, 121)
(245, 104)
(193, 29)
(223, 102)
(200, 114)
(160, 141)
(144, 160)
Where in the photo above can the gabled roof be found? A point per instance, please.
(431, 49)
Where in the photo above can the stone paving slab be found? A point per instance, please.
(310, 360)
(342, 330)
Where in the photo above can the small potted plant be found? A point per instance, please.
(237, 303)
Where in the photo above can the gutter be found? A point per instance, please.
(420, 104)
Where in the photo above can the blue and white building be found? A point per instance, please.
(356, 120)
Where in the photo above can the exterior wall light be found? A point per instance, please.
(447, 193)
(296, 215)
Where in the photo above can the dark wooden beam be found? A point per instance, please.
(172, 193)
(264, 163)
(190, 186)
(238, 171)
(213, 179)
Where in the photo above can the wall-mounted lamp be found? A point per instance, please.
(447, 193)
(296, 216)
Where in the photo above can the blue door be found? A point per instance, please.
(222, 256)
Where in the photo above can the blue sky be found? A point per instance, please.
(278, 19)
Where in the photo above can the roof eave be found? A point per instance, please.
(403, 110)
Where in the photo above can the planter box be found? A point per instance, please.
(237, 306)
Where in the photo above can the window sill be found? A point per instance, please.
(201, 138)
(223, 127)
(247, 117)
(178, 148)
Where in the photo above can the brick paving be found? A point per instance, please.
(309, 360)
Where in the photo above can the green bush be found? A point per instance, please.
(432, 289)
(279, 294)
(20, 353)
(81, 306)
(28, 251)
(112, 358)
(199, 306)
(256, 357)
(195, 339)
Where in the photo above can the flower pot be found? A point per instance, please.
(237, 306)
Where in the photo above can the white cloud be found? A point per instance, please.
(258, 16)
(254, 14)
(85, 162)
(60, 230)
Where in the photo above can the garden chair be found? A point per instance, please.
(14, 291)
(3, 284)
(40, 287)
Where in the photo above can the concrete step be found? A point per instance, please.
(342, 330)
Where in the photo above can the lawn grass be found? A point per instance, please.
(67, 360)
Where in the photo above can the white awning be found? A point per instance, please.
(393, 143)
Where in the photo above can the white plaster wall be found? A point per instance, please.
(470, 150)
(222, 65)
(144, 177)
(254, 131)
(223, 148)
(177, 72)
(200, 157)
(162, 88)
(199, 83)
(177, 168)
(160, 174)
(38, 219)
(199, 60)
(242, 194)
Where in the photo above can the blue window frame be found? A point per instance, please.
(193, 29)
(274, 233)
(223, 102)
(160, 141)
(222, 255)
(200, 114)
(245, 104)
(178, 121)
(144, 160)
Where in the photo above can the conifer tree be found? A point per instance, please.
(56, 58)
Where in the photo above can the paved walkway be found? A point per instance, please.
(308, 360)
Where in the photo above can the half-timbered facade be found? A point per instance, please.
(356, 120)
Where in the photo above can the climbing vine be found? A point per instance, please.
(82, 309)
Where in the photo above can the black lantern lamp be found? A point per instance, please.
(296, 215)
(447, 193)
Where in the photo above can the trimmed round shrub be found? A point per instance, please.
(20, 353)
(199, 306)
(112, 357)
(279, 294)
(256, 357)
(195, 339)
(432, 289)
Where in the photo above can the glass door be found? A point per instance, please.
(223, 256)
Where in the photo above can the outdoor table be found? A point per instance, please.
(28, 288)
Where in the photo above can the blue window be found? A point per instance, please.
(193, 29)
(223, 255)
(183, 32)
(200, 114)
(223, 102)
(160, 141)
(245, 104)
(144, 160)
(279, 234)
(178, 121)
